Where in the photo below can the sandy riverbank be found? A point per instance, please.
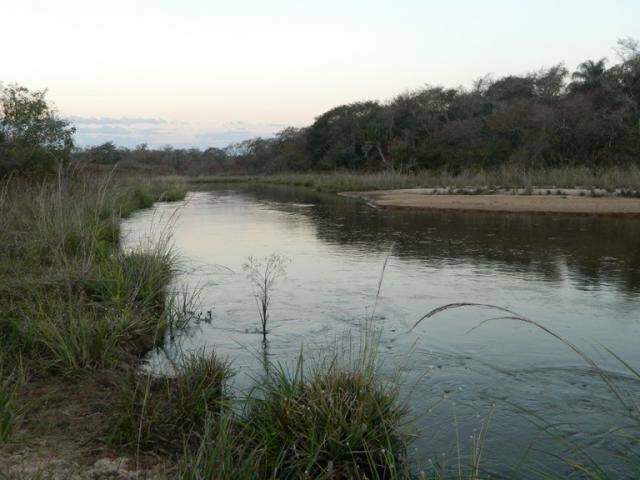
(554, 204)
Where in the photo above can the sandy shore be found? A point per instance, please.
(560, 204)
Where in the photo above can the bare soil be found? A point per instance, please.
(566, 203)
(61, 435)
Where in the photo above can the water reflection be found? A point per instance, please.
(593, 250)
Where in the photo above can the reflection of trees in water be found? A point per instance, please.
(592, 249)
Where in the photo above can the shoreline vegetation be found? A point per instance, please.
(614, 191)
(615, 180)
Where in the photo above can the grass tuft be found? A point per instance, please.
(167, 413)
(332, 423)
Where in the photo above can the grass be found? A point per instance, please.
(334, 419)
(167, 413)
(71, 300)
(334, 423)
(624, 179)
(9, 412)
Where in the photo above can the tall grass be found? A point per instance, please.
(168, 413)
(506, 177)
(333, 417)
(71, 299)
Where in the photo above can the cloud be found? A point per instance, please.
(120, 131)
(76, 120)
(158, 132)
(226, 137)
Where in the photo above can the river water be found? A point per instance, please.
(578, 276)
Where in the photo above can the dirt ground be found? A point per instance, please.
(553, 204)
(61, 436)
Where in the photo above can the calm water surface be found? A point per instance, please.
(579, 276)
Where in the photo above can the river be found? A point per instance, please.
(578, 276)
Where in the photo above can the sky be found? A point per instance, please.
(209, 72)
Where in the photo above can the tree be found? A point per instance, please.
(345, 136)
(107, 153)
(589, 75)
(550, 83)
(33, 138)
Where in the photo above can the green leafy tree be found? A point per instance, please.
(33, 138)
(590, 75)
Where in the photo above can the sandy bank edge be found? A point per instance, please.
(423, 199)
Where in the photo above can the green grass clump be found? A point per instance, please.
(223, 453)
(335, 422)
(141, 196)
(173, 193)
(135, 279)
(71, 299)
(168, 413)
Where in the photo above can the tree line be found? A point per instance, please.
(546, 118)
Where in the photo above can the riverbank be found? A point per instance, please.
(77, 313)
(575, 202)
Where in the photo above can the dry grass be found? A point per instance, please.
(507, 177)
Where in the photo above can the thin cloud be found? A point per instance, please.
(77, 120)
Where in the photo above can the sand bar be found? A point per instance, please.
(553, 204)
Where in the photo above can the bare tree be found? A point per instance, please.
(263, 275)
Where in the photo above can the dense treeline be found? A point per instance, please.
(548, 118)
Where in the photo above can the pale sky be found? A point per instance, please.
(206, 73)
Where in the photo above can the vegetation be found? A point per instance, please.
(263, 274)
(619, 180)
(168, 413)
(76, 307)
(70, 299)
(336, 419)
(33, 138)
(547, 119)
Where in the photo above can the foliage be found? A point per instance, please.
(543, 119)
(8, 407)
(334, 422)
(33, 138)
(331, 417)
